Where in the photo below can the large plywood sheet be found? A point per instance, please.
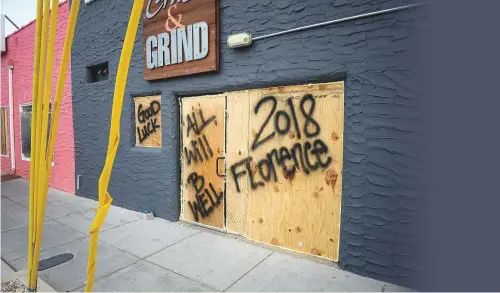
(203, 126)
(291, 176)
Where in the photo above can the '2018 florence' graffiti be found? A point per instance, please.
(308, 156)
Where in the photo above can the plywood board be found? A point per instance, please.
(237, 149)
(167, 17)
(203, 127)
(148, 121)
(292, 175)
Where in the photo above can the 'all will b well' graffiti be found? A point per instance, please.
(198, 151)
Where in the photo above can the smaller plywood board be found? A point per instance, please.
(148, 121)
(203, 127)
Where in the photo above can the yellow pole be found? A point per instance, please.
(36, 141)
(34, 93)
(41, 79)
(114, 139)
(56, 111)
(63, 69)
(41, 163)
(36, 117)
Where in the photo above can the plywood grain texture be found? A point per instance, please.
(296, 210)
(203, 127)
(237, 149)
(148, 121)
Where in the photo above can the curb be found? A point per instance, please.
(22, 276)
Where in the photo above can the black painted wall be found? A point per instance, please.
(377, 57)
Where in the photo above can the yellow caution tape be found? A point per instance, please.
(114, 140)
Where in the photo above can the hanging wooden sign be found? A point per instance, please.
(181, 37)
(148, 121)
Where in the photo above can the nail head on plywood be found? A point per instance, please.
(331, 177)
(316, 251)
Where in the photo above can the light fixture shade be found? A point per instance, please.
(239, 40)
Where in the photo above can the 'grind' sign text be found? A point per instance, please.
(176, 41)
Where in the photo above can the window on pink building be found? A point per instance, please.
(25, 113)
(4, 137)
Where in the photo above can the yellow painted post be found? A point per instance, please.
(42, 147)
(34, 95)
(63, 69)
(36, 113)
(114, 140)
(41, 78)
(33, 273)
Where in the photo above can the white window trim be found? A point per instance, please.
(20, 132)
(6, 156)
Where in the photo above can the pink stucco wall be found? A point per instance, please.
(20, 54)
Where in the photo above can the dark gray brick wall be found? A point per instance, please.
(377, 57)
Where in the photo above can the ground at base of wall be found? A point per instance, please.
(7, 177)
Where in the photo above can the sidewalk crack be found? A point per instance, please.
(249, 271)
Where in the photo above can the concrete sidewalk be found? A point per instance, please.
(136, 254)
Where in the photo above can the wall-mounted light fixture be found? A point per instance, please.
(245, 39)
(239, 40)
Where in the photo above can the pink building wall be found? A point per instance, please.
(20, 54)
